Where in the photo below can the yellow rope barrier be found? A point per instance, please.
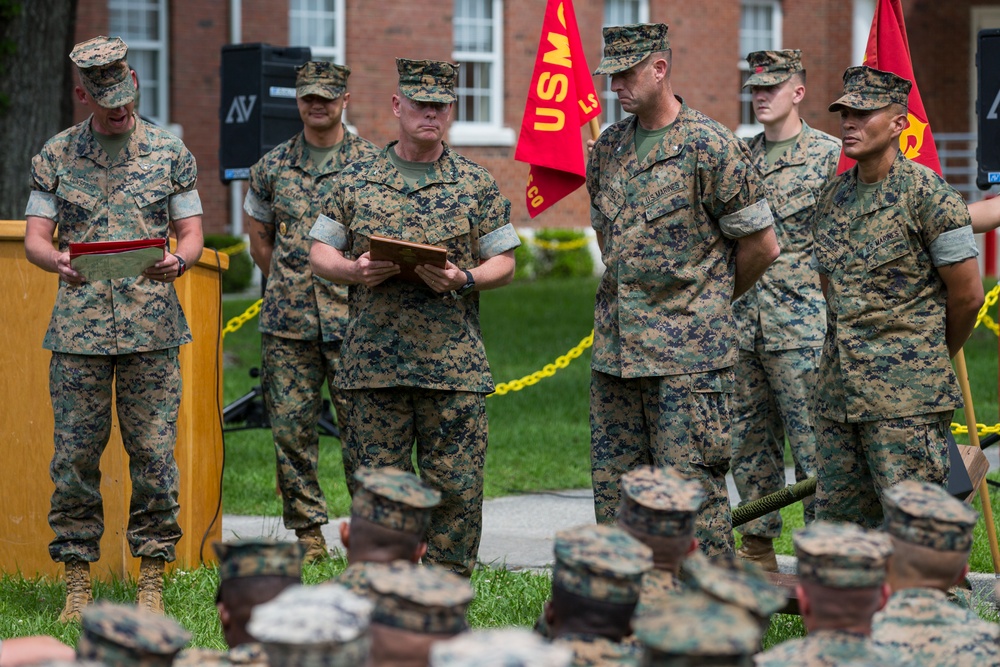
(234, 249)
(561, 246)
(983, 318)
(235, 323)
(547, 371)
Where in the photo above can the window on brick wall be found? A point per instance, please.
(477, 35)
(318, 24)
(760, 30)
(619, 12)
(142, 24)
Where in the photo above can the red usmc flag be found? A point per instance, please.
(889, 51)
(561, 99)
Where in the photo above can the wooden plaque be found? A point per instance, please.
(407, 255)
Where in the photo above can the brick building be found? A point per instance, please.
(175, 46)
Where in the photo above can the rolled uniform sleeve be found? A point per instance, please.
(737, 193)
(185, 205)
(42, 204)
(257, 208)
(747, 220)
(948, 228)
(954, 246)
(329, 231)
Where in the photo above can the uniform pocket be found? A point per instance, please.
(711, 417)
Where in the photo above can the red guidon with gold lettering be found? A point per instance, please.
(561, 99)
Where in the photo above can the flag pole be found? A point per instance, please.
(970, 419)
(595, 129)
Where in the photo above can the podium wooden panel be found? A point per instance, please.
(26, 302)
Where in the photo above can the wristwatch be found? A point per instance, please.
(181, 266)
(470, 284)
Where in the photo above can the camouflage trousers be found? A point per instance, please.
(146, 396)
(292, 374)
(681, 421)
(772, 401)
(449, 431)
(857, 462)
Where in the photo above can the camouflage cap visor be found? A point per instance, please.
(326, 91)
(111, 86)
(765, 78)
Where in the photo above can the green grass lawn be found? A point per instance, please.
(539, 440)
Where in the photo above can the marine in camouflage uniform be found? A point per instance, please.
(251, 572)
(303, 317)
(390, 513)
(659, 508)
(597, 574)
(932, 533)
(413, 358)
(114, 634)
(842, 571)
(782, 318)
(498, 647)
(897, 258)
(119, 332)
(697, 630)
(313, 626)
(416, 607)
(684, 228)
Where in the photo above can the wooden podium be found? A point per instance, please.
(26, 302)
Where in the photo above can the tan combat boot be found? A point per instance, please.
(759, 550)
(151, 584)
(313, 543)
(78, 593)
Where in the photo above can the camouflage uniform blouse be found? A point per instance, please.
(921, 626)
(885, 353)
(246, 655)
(826, 648)
(402, 334)
(670, 225)
(596, 651)
(150, 183)
(787, 302)
(286, 191)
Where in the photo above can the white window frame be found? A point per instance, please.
(337, 52)
(862, 13)
(492, 133)
(160, 45)
(609, 100)
(750, 129)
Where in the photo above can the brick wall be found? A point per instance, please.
(704, 38)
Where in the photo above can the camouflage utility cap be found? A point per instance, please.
(313, 626)
(499, 647)
(259, 558)
(868, 89)
(924, 514)
(659, 501)
(842, 555)
(769, 68)
(321, 78)
(394, 499)
(697, 626)
(601, 563)
(427, 80)
(104, 71)
(420, 598)
(626, 46)
(731, 579)
(125, 635)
